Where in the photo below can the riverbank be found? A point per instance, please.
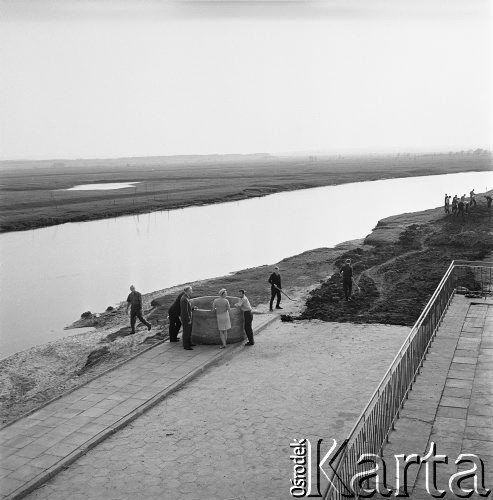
(401, 263)
(392, 295)
(35, 194)
(32, 377)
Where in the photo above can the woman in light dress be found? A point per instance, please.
(222, 307)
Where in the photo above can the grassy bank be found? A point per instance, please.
(397, 271)
(33, 194)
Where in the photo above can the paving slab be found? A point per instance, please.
(460, 420)
(36, 447)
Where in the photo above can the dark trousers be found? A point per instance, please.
(248, 316)
(134, 314)
(347, 287)
(187, 335)
(174, 326)
(275, 292)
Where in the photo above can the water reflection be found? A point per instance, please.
(102, 186)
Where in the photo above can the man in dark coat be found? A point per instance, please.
(174, 318)
(460, 207)
(347, 279)
(134, 302)
(186, 318)
(275, 288)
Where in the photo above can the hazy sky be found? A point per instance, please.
(138, 78)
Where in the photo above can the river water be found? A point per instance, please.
(50, 276)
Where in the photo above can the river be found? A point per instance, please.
(50, 276)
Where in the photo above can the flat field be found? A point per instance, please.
(33, 193)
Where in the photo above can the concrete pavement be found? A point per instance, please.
(226, 435)
(37, 447)
(451, 403)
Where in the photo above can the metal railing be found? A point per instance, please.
(372, 428)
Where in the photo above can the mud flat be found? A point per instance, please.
(397, 268)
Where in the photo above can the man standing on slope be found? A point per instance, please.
(275, 288)
(134, 302)
(472, 199)
(347, 279)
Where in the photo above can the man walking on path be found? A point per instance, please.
(275, 288)
(186, 318)
(347, 279)
(244, 305)
(134, 302)
(174, 319)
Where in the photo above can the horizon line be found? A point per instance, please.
(321, 153)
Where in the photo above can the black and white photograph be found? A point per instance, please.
(246, 249)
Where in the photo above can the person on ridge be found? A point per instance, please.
(275, 288)
(460, 207)
(134, 303)
(472, 199)
(347, 279)
(454, 205)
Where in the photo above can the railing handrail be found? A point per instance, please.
(472, 263)
(405, 345)
(402, 349)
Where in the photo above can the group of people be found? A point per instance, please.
(461, 206)
(181, 311)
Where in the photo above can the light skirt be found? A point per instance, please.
(223, 321)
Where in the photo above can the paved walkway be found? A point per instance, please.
(451, 403)
(38, 446)
(226, 435)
